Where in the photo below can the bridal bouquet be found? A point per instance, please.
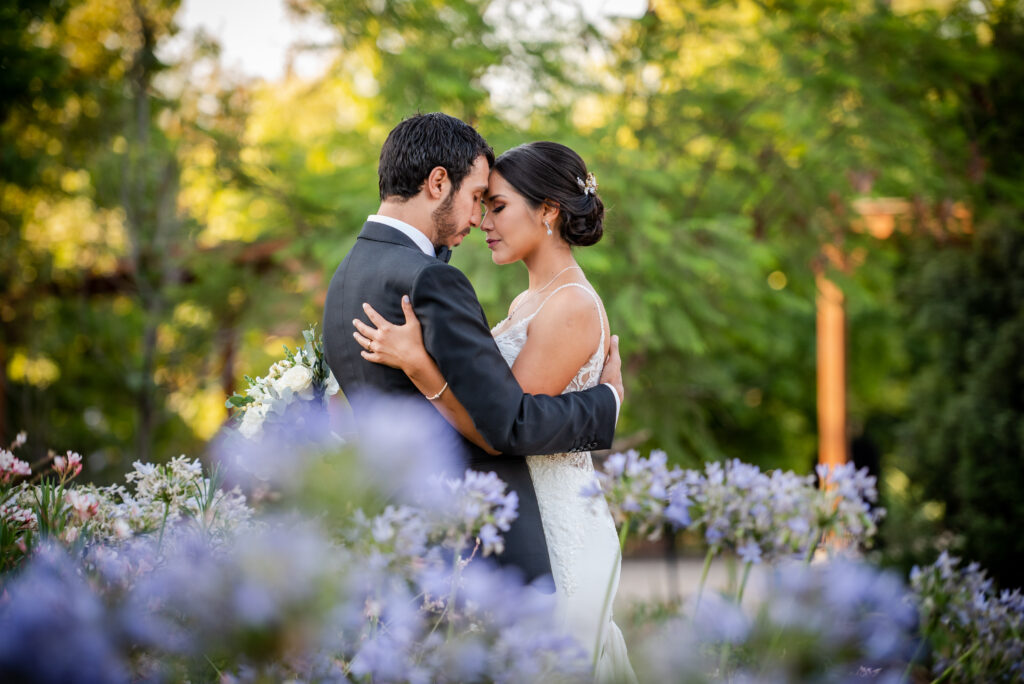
(303, 375)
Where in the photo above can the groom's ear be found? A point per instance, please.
(437, 183)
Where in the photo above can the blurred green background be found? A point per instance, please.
(166, 224)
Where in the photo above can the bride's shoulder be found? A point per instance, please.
(571, 303)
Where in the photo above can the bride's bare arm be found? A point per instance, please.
(401, 347)
(563, 336)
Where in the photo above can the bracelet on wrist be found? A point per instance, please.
(439, 393)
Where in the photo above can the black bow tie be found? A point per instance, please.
(444, 253)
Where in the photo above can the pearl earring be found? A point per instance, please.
(548, 225)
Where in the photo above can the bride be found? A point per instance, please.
(541, 201)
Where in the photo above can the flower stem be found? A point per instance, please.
(811, 549)
(163, 526)
(913, 659)
(959, 661)
(703, 578)
(743, 582)
(723, 662)
(220, 675)
(456, 575)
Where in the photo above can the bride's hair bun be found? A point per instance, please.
(584, 229)
(548, 171)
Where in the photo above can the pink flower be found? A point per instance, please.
(10, 466)
(85, 505)
(68, 467)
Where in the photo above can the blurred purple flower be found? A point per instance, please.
(55, 628)
(615, 464)
(749, 552)
(820, 623)
(402, 443)
(637, 489)
(251, 598)
(678, 510)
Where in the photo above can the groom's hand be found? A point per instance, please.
(612, 373)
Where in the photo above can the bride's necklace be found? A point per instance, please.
(531, 295)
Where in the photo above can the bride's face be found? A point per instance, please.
(513, 229)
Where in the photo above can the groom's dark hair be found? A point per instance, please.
(425, 141)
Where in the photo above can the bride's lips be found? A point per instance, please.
(492, 241)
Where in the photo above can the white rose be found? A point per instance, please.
(298, 379)
(332, 385)
(252, 421)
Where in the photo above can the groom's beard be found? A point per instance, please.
(445, 227)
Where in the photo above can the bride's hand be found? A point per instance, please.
(397, 346)
(612, 373)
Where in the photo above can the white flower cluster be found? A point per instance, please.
(302, 375)
(156, 496)
(177, 490)
(15, 520)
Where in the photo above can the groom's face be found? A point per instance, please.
(460, 210)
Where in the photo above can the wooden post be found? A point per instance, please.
(831, 333)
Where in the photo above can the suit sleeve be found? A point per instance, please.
(455, 334)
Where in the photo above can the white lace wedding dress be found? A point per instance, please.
(580, 533)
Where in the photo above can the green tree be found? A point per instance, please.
(101, 328)
(963, 441)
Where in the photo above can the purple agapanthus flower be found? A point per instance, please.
(55, 627)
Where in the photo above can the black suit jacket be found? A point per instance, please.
(382, 266)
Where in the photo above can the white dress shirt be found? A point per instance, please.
(414, 234)
(424, 244)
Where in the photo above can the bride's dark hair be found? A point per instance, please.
(549, 172)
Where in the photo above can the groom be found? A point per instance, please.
(433, 176)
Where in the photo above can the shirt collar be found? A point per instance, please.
(413, 234)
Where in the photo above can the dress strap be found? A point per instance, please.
(597, 303)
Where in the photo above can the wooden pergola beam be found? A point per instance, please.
(880, 217)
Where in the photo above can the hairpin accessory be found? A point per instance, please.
(589, 187)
